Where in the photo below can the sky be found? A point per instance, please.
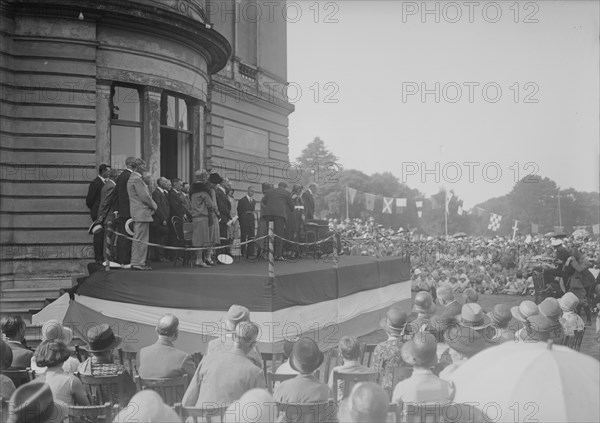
(488, 94)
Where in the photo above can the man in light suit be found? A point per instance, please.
(162, 360)
(277, 205)
(159, 228)
(308, 200)
(92, 200)
(108, 203)
(122, 206)
(142, 207)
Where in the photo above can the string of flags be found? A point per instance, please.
(399, 204)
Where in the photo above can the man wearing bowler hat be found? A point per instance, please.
(304, 388)
(386, 356)
(424, 309)
(235, 316)
(423, 386)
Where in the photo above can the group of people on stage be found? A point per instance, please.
(127, 201)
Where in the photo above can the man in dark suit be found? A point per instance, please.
(162, 360)
(277, 204)
(224, 206)
(92, 200)
(123, 245)
(13, 329)
(159, 228)
(245, 210)
(308, 200)
(108, 202)
(263, 224)
(450, 308)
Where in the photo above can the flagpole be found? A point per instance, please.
(446, 211)
(559, 213)
(347, 207)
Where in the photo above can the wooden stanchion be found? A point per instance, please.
(107, 233)
(271, 254)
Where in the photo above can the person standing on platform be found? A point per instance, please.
(185, 198)
(224, 211)
(176, 210)
(245, 210)
(142, 208)
(123, 244)
(277, 203)
(233, 227)
(159, 228)
(308, 200)
(295, 222)
(263, 225)
(214, 179)
(108, 202)
(92, 200)
(203, 218)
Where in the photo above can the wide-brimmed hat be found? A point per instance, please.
(129, 227)
(524, 311)
(465, 340)
(421, 351)
(102, 338)
(550, 308)
(568, 302)
(394, 321)
(472, 316)
(95, 227)
(215, 178)
(423, 303)
(306, 356)
(53, 330)
(34, 403)
(500, 315)
(51, 353)
(235, 315)
(538, 328)
(149, 407)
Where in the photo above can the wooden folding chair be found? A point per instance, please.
(394, 413)
(332, 359)
(19, 377)
(196, 414)
(171, 390)
(539, 287)
(366, 354)
(103, 389)
(574, 342)
(318, 412)
(274, 359)
(273, 378)
(348, 380)
(92, 413)
(400, 373)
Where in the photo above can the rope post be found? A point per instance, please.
(271, 255)
(108, 232)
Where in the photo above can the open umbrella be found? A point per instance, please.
(459, 235)
(550, 235)
(531, 382)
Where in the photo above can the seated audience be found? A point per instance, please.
(162, 360)
(500, 317)
(147, 406)
(472, 316)
(570, 320)
(256, 406)
(424, 309)
(464, 343)
(7, 387)
(224, 377)
(285, 368)
(101, 343)
(349, 350)
(52, 330)
(235, 315)
(522, 313)
(423, 386)
(367, 403)
(66, 387)
(550, 308)
(386, 356)
(450, 307)
(13, 329)
(304, 388)
(537, 329)
(34, 403)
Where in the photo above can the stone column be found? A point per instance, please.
(151, 130)
(198, 135)
(103, 114)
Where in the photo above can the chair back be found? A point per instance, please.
(348, 380)
(318, 412)
(574, 342)
(177, 224)
(423, 413)
(19, 377)
(103, 389)
(274, 358)
(209, 414)
(332, 359)
(399, 374)
(273, 378)
(91, 413)
(366, 354)
(393, 415)
(128, 360)
(539, 286)
(171, 390)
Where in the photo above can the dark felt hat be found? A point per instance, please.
(215, 178)
(102, 338)
(306, 356)
(421, 351)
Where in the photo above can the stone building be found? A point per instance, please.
(185, 84)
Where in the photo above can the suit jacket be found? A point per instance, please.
(187, 203)
(176, 207)
(309, 205)
(162, 210)
(108, 201)
(245, 211)
(122, 205)
(224, 205)
(142, 205)
(21, 355)
(162, 360)
(451, 310)
(302, 389)
(92, 200)
(277, 202)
